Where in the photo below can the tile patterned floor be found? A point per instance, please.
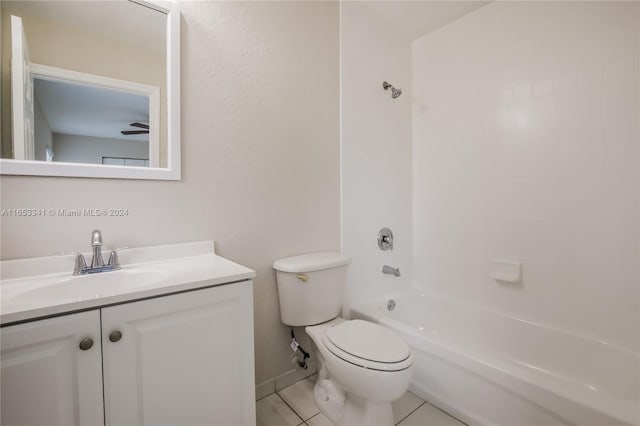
(295, 405)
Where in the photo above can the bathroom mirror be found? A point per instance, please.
(91, 89)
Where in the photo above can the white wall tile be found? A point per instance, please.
(536, 119)
(523, 92)
(505, 97)
(591, 77)
(543, 87)
(554, 179)
(567, 81)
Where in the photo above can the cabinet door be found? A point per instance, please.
(183, 359)
(46, 378)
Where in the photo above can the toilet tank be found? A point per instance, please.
(311, 287)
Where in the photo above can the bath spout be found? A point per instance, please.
(386, 269)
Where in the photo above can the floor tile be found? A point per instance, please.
(427, 414)
(319, 420)
(404, 406)
(272, 411)
(299, 396)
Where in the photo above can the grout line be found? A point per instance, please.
(316, 415)
(304, 421)
(314, 402)
(291, 408)
(416, 409)
(455, 418)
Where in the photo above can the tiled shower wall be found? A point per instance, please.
(526, 148)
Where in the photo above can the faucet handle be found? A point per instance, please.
(80, 264)
(114, 262)
(96, 238)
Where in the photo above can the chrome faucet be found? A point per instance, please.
(96, 244)
(386, 269)
(97, 262)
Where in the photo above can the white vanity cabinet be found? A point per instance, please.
(179, 359)
(46, 378)
(185, 359)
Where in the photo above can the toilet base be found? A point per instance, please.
(348, 409)
(360, 412)
(330, 399)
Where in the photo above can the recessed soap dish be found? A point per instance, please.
(507, 271)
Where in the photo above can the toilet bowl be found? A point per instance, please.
(362, 366)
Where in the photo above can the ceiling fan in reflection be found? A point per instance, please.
(137, 132)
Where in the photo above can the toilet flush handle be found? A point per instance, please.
(303, 277)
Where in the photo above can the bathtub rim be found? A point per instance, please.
(382, 300)
(372, 308)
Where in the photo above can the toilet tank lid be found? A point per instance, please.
(311, 262)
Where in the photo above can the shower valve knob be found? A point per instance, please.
(385, 239)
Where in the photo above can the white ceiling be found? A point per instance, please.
(83, 110)
(414, 19)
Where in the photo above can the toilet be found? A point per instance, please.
(362, 366)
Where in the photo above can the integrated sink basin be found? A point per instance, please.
(39, 287)
(51, 288)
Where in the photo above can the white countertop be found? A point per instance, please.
(41, 287)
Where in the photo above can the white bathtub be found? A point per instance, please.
(488, 368)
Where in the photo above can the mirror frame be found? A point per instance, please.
(172, 171)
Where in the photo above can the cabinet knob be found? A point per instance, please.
(115, 336)
(86, 343)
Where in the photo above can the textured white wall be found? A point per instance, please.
(376, 152)
(526, 148)
(260, 157)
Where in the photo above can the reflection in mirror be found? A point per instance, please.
(86, 123)
(88, 82)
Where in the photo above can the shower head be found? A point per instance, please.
(394, 92)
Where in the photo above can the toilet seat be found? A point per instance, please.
(368, 345)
